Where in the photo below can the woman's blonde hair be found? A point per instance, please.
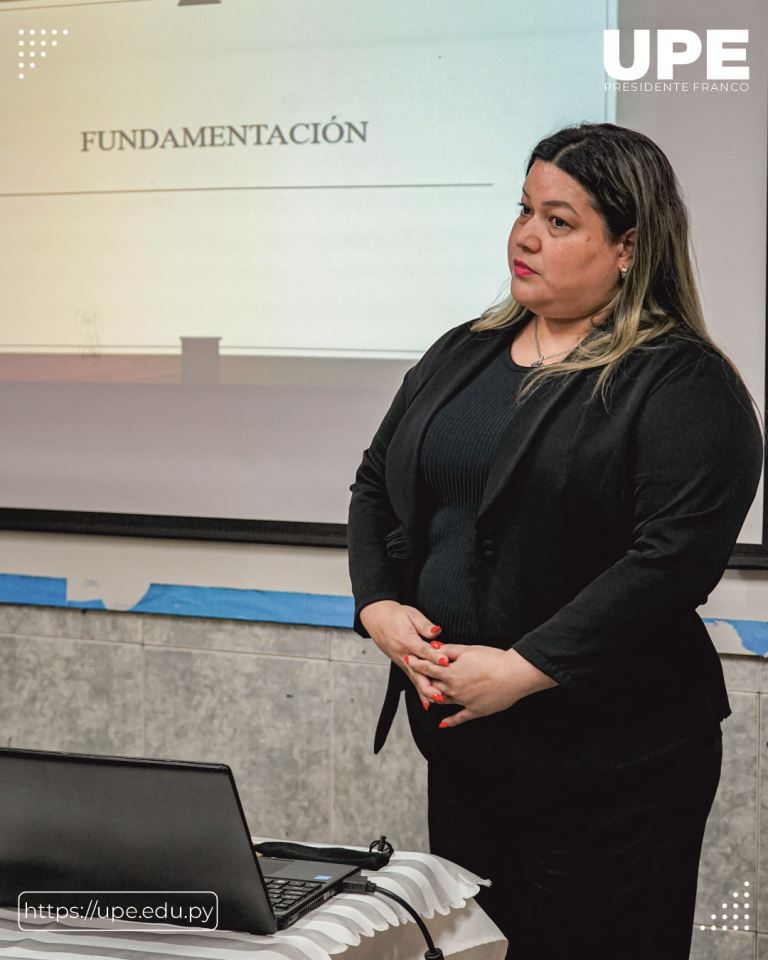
(630, 183)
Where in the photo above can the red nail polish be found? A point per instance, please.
(436, 644)
(443, 724)
(439, 697)
(443, 661)
(425, 704)
(405, 659)
(435, 630)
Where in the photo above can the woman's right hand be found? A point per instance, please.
(399, 631)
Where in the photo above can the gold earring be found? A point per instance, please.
(623, 273)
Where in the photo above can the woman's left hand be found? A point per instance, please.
(484, 680)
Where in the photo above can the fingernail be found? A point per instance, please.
(425, 704)
(436, 644)
(435, 630)
(405, 658)
(443, 724)
(439, 697)
(443, 661)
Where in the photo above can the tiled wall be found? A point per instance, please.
(292, 710)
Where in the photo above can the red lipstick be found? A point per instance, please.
(522, 269)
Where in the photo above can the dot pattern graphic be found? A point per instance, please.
(735, 905)
(29, 48)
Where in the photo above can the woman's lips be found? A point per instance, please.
(522, 269)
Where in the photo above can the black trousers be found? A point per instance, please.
(586, 864)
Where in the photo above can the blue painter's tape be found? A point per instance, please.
(272, 606)
(752, 633)
(38, 591)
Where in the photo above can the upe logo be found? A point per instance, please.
(675, 48)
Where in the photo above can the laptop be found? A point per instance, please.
(72, 825)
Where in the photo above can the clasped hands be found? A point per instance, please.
(482, 680)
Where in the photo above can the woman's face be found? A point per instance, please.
(560, 237)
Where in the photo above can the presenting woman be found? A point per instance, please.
(554, 490)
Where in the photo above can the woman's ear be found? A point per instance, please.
(627, 247)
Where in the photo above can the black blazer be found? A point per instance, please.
(599, 533)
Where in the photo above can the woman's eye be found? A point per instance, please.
(557, 222)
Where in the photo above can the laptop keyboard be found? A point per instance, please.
(284, 894)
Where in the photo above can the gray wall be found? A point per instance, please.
(292, 710)
(716, 143)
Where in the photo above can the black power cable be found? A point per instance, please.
(362, 884)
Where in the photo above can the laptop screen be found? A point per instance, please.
(79, 823)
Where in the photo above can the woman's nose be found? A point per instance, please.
(527, 238)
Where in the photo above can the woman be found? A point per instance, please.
(554, 490)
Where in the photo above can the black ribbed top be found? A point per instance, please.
(456, 455)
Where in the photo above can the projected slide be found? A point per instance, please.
(231, 226)
(190, 183)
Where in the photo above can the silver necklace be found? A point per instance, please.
(542, 358)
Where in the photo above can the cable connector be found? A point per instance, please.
(358, 884)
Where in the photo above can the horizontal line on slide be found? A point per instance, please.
(302, 186)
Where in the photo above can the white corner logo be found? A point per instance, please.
(677, 48)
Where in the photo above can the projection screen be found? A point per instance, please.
(232, 227)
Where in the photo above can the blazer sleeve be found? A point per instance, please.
(375, 575)
(696, 463)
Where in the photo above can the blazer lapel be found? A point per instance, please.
(405, 447)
